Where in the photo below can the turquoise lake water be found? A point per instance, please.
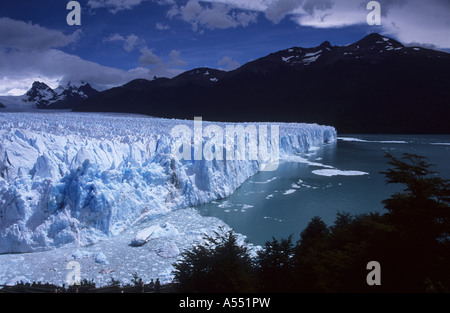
(281, 203)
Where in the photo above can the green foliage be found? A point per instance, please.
(411, 242)
(220, 264)
(422, 209)
(275, 264)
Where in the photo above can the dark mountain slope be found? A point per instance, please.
(375, 85)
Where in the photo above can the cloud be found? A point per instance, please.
(386, 5)
(228, 64)
(175, 60)
(26, 36)
(129, 42)
(148, 57)
(29, 52)
(158, 66)
(161, 26)
(114, 6)
(311, 6)
(21, 68)
(278, 9)
(420, 23)
(213, 16)
(409, 21)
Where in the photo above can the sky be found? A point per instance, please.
(122, 40)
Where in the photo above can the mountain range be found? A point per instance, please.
(375, 85)
(41, 96)
(63, 97)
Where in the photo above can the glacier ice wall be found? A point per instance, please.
(80, 178)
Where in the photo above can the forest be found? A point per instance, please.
(410, 242)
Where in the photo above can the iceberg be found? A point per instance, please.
(335, 172)
(79, 178)
(154, 232)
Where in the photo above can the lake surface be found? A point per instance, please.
(281, 203)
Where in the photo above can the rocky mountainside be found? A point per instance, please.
(63, 97)
(375, 85)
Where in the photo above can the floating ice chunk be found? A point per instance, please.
(288, 192)
(80, 254)
(299, 159)
(169, 250)
(265, 182)
(225, 204)
(245, 207)
(335, 172)
(154, 232)
(376, 141)
(101, 258)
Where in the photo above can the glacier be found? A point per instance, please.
(80, 178)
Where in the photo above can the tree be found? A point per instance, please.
(308, 256)
(421, 213)
(275, 265)
(422, 209)
(219, 264)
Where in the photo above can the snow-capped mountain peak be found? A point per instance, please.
(40, 93)
(62, 97)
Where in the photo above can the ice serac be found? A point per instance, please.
(74, 178)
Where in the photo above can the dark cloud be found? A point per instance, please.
(311, 6)
(278, 9)
(26, 36)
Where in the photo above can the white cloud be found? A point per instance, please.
(409, 21)
(158, 66)
(161, 26)
(23, 61)
(278, 9)
(19, 85)
(422, 23)
(114, 6)
(129, 42)
(213, 16)
(21, 68)
(175, 60)
(148, 57)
